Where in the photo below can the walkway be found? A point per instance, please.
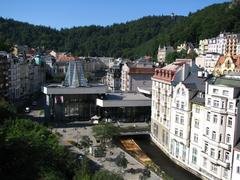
(76, 133)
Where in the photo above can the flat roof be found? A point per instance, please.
(61, 90)
(124, 100)
(145, 90)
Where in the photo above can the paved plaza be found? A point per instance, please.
(76, 133)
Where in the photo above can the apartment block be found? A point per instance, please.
(136, 75)
(162, 90)
(4, 75)
(207, 61)
(195, 120)
(162, 53)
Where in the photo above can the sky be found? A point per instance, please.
(68, 13)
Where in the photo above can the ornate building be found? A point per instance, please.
(227, 64)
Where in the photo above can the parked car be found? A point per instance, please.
(27, 110)
(95, 122)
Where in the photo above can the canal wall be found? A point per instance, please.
(187, 168)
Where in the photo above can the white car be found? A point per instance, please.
(95, 121)
(27, 110)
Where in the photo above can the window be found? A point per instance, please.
(209, 101)
(231, 105)
(181, 133)
(182, 105)
(238, 156)
(214, 135)
(196, 138)
(206, 147)
(183, 92)
(229, 124)
(155, 130)
(212, 153)
(219, 154)
(225, 173)
(196, 123)
(222, 117)
(182, 120)
(194, 155)
(215, 91)
(215, 119)
(177, 149)
(213, 168)
(177, 119)
(208, 116)
(225, 92)
(207, 130)
(177, 104)
(176, 131)
(178, 91)
(204, 162)
(215, 103)
(197, 109)
(238, 169)
(227, 156)
(220, 138)
(223, 104)
(228, 139)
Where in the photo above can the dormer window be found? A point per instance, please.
(178, 91)
(183, 92)
(215, 91)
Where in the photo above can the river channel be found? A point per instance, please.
(160, 159)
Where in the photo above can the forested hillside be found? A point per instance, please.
(132, 39)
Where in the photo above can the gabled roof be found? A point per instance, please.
(235, 59)
(194, 82)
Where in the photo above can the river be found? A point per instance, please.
(159, 158)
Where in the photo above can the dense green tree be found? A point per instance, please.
(29, 151)
(106, 175)
(121, 160)
(132, 39)
(105, 131)
(6, 111)
(171, 57)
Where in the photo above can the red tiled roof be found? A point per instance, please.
(235, 59)
(66, 58)
(137, 70)
(164, 74)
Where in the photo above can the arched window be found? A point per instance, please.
(183, 92)
(228, 139)
(213, 135)
(207, 131)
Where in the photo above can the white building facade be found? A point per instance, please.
(180, 123)
(238, 48)
(204, 123)
(219, 128)
(236, 163)
(224, 43)
(207, 61)
(15, 81)
(162, 90)
(162, 53)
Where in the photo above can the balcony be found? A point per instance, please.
(219, 110)
(226, 146)
(223, 163)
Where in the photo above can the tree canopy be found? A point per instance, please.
(6, 111)
(29, 151)
(105, 131)
(132, 39)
